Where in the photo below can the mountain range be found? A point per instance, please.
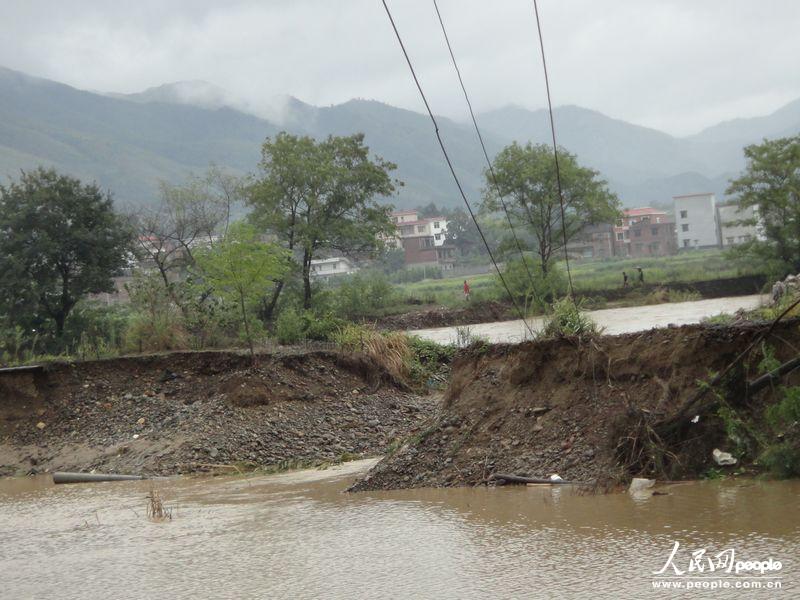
(127, 143)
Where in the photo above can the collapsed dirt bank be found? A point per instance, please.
(490, 311)
(181, 412)
(565, 407)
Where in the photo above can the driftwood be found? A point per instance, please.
(646, 447)
(508, 478)
(773, 376)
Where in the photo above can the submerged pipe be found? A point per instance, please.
(62, 477)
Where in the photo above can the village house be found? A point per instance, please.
(326, 269)
(640, 232)
(731, 231)
(696, 219)
(422, 239)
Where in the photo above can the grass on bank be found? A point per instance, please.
(595, 276)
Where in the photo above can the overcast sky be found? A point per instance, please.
(676, 65)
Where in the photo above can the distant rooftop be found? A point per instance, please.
(644, 210)
(700, 195)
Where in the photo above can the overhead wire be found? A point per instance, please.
(492, 174)
(452, 169)
(555, 147)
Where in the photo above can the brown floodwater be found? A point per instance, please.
(297, 535)
(612, 320)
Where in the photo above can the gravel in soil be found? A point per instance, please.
(186, 412)
(561, 406)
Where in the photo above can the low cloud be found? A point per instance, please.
(675, 65)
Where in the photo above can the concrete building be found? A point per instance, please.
(731, 232)
(652, 238)
(631, 217)
(696, 221)
(409, 224)
(328, 268)
(593, 241)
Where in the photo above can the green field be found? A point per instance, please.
(596, 276)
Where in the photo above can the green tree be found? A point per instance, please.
(320, 197)
(462, 233)
(526, 178)
(770, 185)
(240, 269)
(60, 239)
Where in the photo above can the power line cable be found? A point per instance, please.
(450, 166)
(555, 147)
(483, 147)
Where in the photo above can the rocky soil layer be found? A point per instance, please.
(562, 406)
(184, 412)
(477, 312)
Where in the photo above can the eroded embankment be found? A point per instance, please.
(567, 407)
(183, 412)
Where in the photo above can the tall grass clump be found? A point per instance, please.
(390, 350)
(156, 511)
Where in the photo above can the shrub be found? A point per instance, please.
(544, 289)
(786, 412)
(782, 460)
(321, 327)
(567, 319)
(429, 359)
(360, 295)
(157, 323)
(289, 326)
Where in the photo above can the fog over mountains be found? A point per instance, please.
(127, 143)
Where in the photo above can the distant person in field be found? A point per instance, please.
(466, 290)
(641, 275)
(624, 279)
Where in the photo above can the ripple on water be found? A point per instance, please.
(300, 537)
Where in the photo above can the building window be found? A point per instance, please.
(427, 242)
(654, 230)
(436, 224)
(637, 233)
(684, 214)
(438, 236)
(730, 241)
(420, 228)
(685, 227)
(620, 236)
(686, 243)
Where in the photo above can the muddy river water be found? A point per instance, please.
(297, 535)
(613, 320)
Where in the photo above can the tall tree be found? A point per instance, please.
(321, 197)
(770, 184)
(239, 270)
(526, 178)
(462, 233)
(60, 239)
(187, 216)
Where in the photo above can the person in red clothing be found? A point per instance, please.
(466, 290)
